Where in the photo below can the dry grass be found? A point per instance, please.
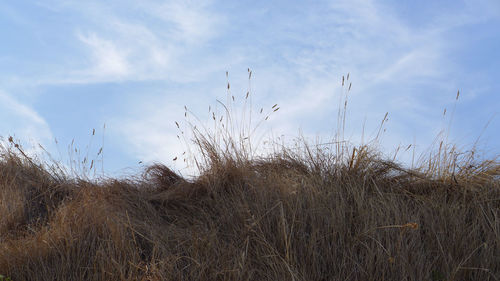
(307, 213)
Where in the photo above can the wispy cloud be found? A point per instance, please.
(192, 21)
(22, 122)
(148, 131)
(108, 60)
(123, 47)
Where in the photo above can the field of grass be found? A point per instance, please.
(302, 213)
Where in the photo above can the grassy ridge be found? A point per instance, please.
(278, 218)
(308, 213)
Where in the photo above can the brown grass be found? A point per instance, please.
(296, 214)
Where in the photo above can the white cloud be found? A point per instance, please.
(192, 21)
(410, 66)
(136, 41)
(123, 47)
(23, 123)
(108, 60)
(148, 131)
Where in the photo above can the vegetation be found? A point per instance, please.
(309, 212)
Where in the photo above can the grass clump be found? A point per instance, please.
(303, 213)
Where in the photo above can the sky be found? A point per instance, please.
(126, 69)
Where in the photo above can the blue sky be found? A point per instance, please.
(67, 67)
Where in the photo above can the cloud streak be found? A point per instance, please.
(108, 59)
(119, 46)
(23, 123)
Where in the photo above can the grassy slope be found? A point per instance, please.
(309, 213)
(285, 217)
